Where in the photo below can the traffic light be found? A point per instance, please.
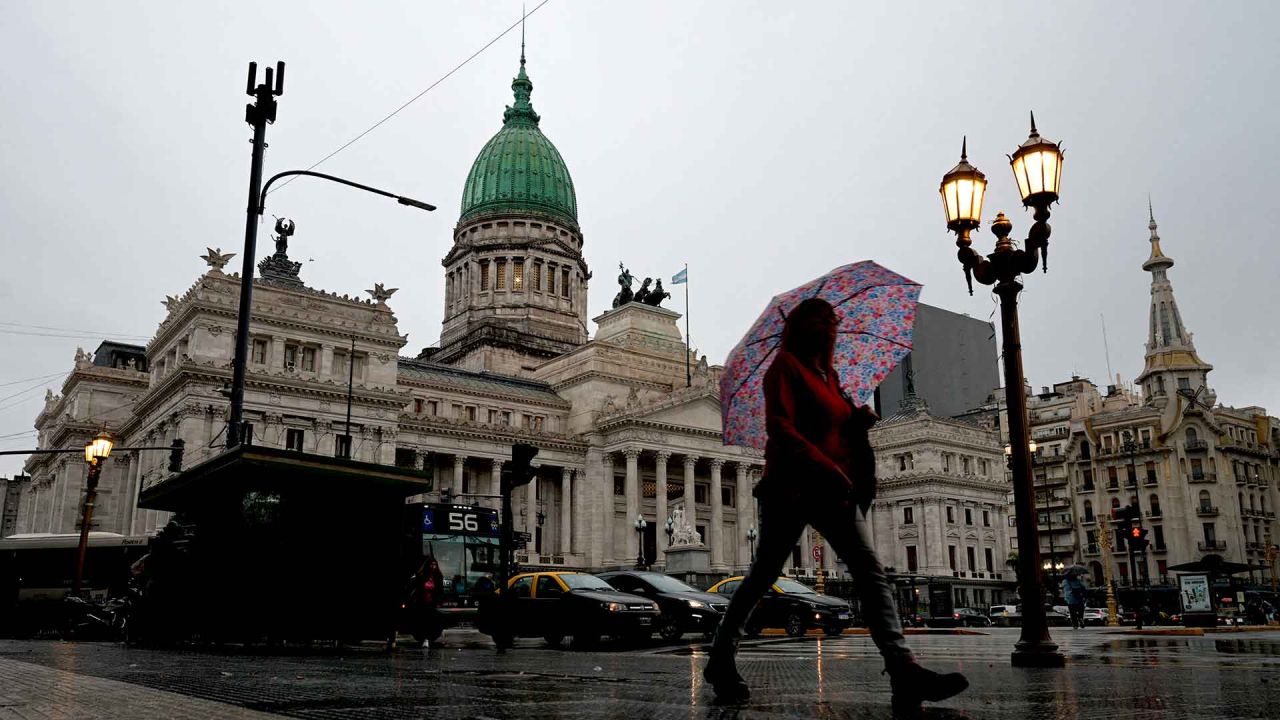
(175, 455)
(1138, 539)
(521, 470)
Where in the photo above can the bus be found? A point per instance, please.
(464, 540)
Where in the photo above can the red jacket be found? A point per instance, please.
(817, 446)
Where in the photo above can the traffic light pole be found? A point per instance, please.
(519, 474)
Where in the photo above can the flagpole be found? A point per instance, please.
(688, 370)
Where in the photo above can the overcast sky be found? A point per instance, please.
(761, 143)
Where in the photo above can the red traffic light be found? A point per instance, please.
(1136, 532)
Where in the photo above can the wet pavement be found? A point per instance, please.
(1108, 675)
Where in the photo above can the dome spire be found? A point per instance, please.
(522, 87)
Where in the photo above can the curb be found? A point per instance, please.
(775, 632)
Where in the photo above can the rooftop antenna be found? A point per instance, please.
(1106, 349)
(523, 15)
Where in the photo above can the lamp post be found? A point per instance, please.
(752, 534)
(640, 525)
(1054, 570)
(260, 114)
(1037, 168)
(1104, 540)
(96, 452)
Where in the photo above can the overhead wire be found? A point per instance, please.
(37, 377)
(415, 98)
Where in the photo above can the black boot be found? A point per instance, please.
(913, 684)
(724, 679)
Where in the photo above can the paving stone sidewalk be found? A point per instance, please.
(1109, 676)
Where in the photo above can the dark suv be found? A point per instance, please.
(793, 607)
(684, 609)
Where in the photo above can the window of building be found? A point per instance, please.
(969, 555)
(1124, 570)
(1150, 468)
(417, 406)
(700, 493)
(484, 275)
(492, 416)
(986, 518)
(1197, 469)
(1210, 534)
(1086, 479)
(471, 413)
(951, 514)
(309, 359)
(259, 351)
(1162, 567)
(1113, 480)
(433, 408)
(991, 565)
(946, 462)
(1184, 383)
(966, 465)
(726, 495)
(291, 357)
(1088, 511)
(406, 458)
(457, 411)
(517, 275)
(500, 275)
(564, 282)
(968, 516)
(619, 486)
(1132, 476)
(1206, 503)
(983, 468)
(342, 446)
(551, 279)
(293, 439)
(908, 516)
(1192, 436)
(1146, 438)
(505, 418)
(536, 274)
(911, 559)
(951, 556)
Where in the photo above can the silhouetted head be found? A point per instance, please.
(810, 332)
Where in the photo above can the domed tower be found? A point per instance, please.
(515, 279)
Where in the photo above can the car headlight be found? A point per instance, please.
(616, 607)
(817, 616)
(696, 603)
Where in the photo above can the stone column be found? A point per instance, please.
(690, 510)
(660, 500)
(746, 518)
(495, 481)
(606, 511)
(633, 499)
(326, 360)
(715, 530)
(566, 511)
(458, 462)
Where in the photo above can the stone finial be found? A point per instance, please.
(169, 302)
(381, 294)
(216, 259)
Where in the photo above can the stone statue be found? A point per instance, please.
(216, 259)
(642, 295)
(655, 296)
(625, 281)
(682, 533)
(381, 294)
(284, 228)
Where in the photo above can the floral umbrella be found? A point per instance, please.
(876, 308)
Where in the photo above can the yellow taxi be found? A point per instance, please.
(554, 604)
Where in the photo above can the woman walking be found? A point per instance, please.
(819, 471)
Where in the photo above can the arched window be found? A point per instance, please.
(1115, 503)
(1205, 502)
(1088, 511)
(1155, 505)
(1192, 436)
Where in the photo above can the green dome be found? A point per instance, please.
(519, 170)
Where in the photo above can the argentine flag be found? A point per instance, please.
(680, 277)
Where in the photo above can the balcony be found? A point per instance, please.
(1086, 488)
(1240, 479)
(1092, 550)
(1211, 545)
(1088, 520)
(1197, 445)
(1151, 480)
(1206, 511)
(1253, 546)
(1202, 477)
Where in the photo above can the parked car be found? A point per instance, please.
(1095, 616)
(552, 605)
(792, 606)
(968, 617)
(1005, 615)
(684, 609)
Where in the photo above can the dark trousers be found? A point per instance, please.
(845, 528)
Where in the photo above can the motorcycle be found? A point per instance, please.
(93, 619)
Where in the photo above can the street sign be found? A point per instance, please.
(817, 553)
(522, 536)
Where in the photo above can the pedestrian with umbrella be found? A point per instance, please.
(797, 386)
(1074, 592)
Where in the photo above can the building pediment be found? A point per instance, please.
(700, 411)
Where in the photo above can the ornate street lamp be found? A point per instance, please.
(751, 538)
(96, 452)
(1037, 167)
(640, 526)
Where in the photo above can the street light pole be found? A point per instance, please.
(96, 452)
(1037, 168)
(640, 526)
(259, 115)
